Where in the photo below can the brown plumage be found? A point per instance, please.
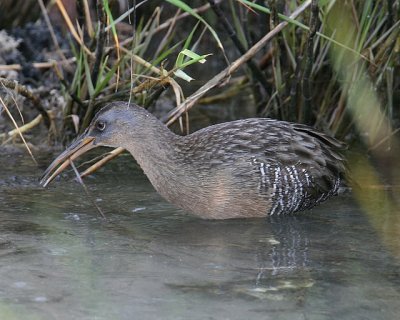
(245, 168)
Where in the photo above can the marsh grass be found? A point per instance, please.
(302, 80)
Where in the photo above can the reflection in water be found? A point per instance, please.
(248, 258)
(60, 260)
(290, 251)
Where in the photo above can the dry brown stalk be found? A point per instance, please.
(37, 65)
(24, 91)
(18, 129)
(12, 133)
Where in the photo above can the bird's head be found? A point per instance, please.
(110, 127)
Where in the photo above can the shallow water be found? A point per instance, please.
(60, 260)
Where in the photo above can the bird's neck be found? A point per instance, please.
(155, 143)
(158, 153)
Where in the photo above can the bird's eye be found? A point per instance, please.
(100, 125)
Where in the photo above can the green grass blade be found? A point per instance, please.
(110, 17)
(88, 76)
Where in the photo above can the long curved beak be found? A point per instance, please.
(81, 145)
